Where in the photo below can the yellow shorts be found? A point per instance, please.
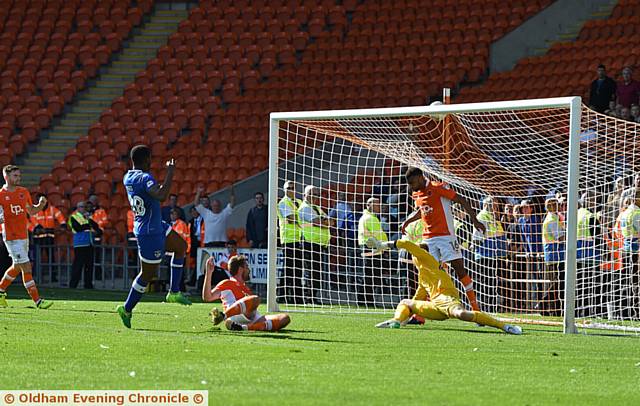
(438, 309)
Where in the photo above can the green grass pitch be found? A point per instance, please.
(319, 359)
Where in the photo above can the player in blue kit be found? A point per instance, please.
(154, 235)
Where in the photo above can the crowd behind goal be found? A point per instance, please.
(516, 263)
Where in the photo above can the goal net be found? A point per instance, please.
(549, 179)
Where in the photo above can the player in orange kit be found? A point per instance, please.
(15, 204)
(433, 200)
(238, 301)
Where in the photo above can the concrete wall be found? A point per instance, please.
(534, 33)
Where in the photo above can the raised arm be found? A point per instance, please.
(472, 214)
(232, 196)
(199, 191)
(161, 192)
(415, 216)
(31, 210)
(208, 294)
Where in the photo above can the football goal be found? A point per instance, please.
(553, 182)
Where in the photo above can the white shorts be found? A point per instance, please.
(18, 250)
(444, 248)
(243, 320)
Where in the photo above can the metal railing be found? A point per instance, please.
(114, 266)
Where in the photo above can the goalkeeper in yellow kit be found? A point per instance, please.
(444, 300)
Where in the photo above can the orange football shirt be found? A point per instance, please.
(434, 202)
(232, 290)
(14, 206)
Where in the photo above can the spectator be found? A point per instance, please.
(346, 225)
(184, 230)
(490, 254)
(612, 205)
(553, 236)
(315, 232)
(588, 256)
(635, 112)
(196, 227)
(291, 286)
(509, 222)
(516, 256)
(375, 262)
(625, 114)
(45, 223)
(221, 265)
(218, 266)
(562, 199)
(345, 221)
(631, 191)
(215, 219)
(627, 91)
(223, 259)
(611, 110)
(98, 214)
(130, 235)
(83, 228)
(258, 223)
(630, 229)
(132, 241)
(180, 226)
(603, 90)
(613, 288)
(530, 228)
(205, 201)
(173, 204)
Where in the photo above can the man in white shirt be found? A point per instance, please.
(215, 219)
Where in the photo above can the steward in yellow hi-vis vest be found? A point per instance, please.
(553, 231)
(316, 235)
(288, 219)
(588, 229)
(630, 226)
(493, 243)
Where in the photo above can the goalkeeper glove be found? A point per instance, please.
(378, 245)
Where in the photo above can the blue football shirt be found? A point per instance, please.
(146, 209)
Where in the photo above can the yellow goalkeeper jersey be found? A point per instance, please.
(431, 278)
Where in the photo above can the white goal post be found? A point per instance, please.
(509, 152)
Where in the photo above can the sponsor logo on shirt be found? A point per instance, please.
(425, 210)
(16, 209)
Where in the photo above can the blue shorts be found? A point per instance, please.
(151, 246)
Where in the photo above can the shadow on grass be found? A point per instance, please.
(164, 330)
(94, 295)
(276, 335)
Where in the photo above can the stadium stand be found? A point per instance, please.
(564, 70)
(205, 98)
(48, 51)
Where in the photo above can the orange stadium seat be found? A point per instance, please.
(558, 61)
(230, 64)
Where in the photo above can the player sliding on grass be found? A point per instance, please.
(444, 300)
(15, 204)
(154, 235)
(238, 301)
